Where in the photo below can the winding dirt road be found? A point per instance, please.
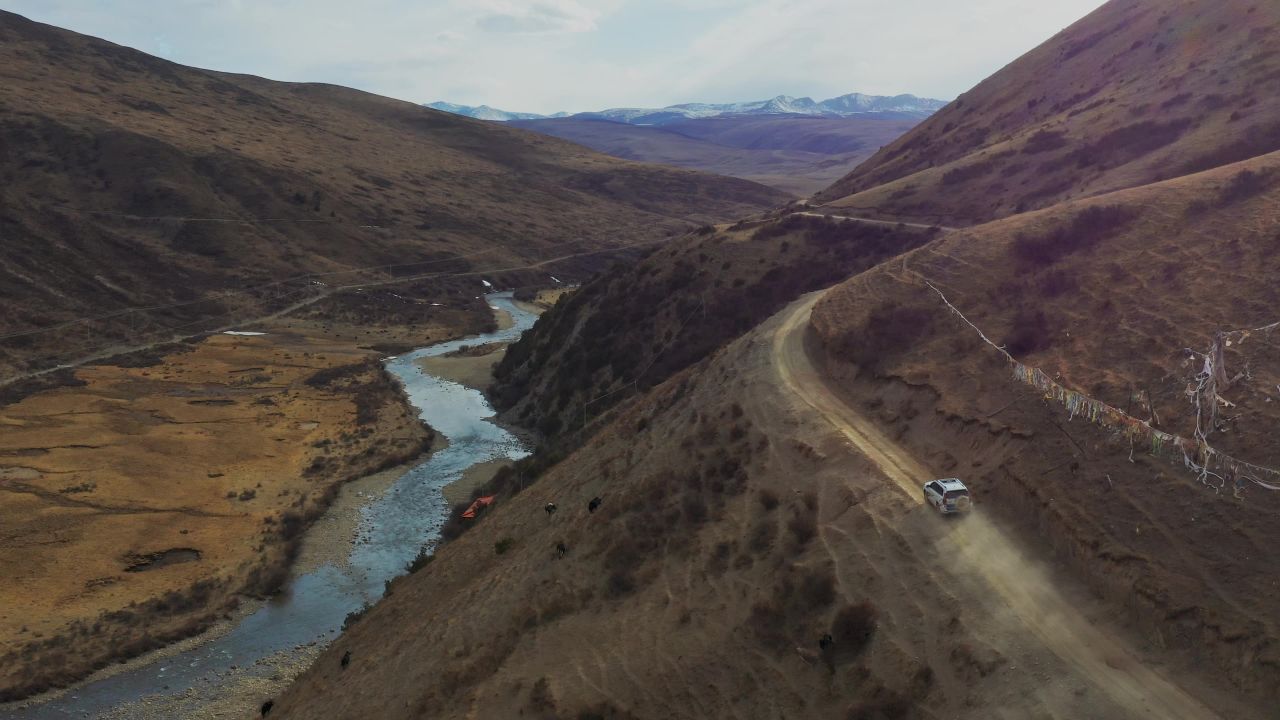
(324, 293)
(872, 221)
(987, 553)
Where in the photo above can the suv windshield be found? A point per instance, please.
(952, 494)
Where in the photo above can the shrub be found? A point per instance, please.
(540, 697)
(1246, 184)
(768, 500)
(329, 376)
(817, 589)
(890, 330)
(1084, 232)
(1126, 144)
(973, 171)
(761, 537)
(803, 527)
(1045, 141)
(852, 630)
(1029, 334)
(503, 545)
(884, 704)
(425, 557)
(620, 583)
(695, 509)
(1257, 140)
(768, 621)
(355, 615)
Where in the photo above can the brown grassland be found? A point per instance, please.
(143, 501)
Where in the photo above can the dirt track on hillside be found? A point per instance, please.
(987, 552)
(717, 613)
(872, 221)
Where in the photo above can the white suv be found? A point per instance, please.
(948, 496)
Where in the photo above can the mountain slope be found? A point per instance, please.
(131, 181)
(1099, 577)
(1136, 92)
(1113, 298)
(796, 153)
(635, 326)
(745, 561)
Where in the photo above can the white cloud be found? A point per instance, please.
(548, 55)
(539, 17)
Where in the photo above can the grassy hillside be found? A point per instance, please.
(1122, 195)
(1111, 297)
(130, 181)
(1139, 91)
(722, 553)
(797, 154)
(635, 326)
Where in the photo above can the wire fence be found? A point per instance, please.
(1213, 467)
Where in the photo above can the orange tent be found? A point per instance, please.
(483, 502)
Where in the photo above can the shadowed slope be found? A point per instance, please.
(128, 180)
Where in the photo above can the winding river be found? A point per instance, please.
(393, 528)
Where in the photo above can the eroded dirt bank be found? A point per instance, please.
(140, 505)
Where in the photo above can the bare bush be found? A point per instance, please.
(1084, 232)
(852, 630)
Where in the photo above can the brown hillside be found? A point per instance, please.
(1106, 296)
(1137, 92)
(637, 325)
(126, 180)
(770, 492)
(737, 528)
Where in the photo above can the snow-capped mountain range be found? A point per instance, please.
(484, 112)
(843, 106)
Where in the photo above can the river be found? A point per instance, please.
(393, 529)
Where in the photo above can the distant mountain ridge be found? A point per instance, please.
(906, 106)
(484, 112)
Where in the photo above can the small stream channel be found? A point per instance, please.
(392, 530)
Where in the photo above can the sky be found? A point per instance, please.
(577, 55)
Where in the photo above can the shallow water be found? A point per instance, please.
(393, 528)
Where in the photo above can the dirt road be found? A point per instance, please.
(986, 552)
(322, 292)
(870, 221)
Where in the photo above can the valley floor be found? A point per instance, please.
(141, 504)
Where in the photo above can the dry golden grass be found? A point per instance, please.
(139, 504)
